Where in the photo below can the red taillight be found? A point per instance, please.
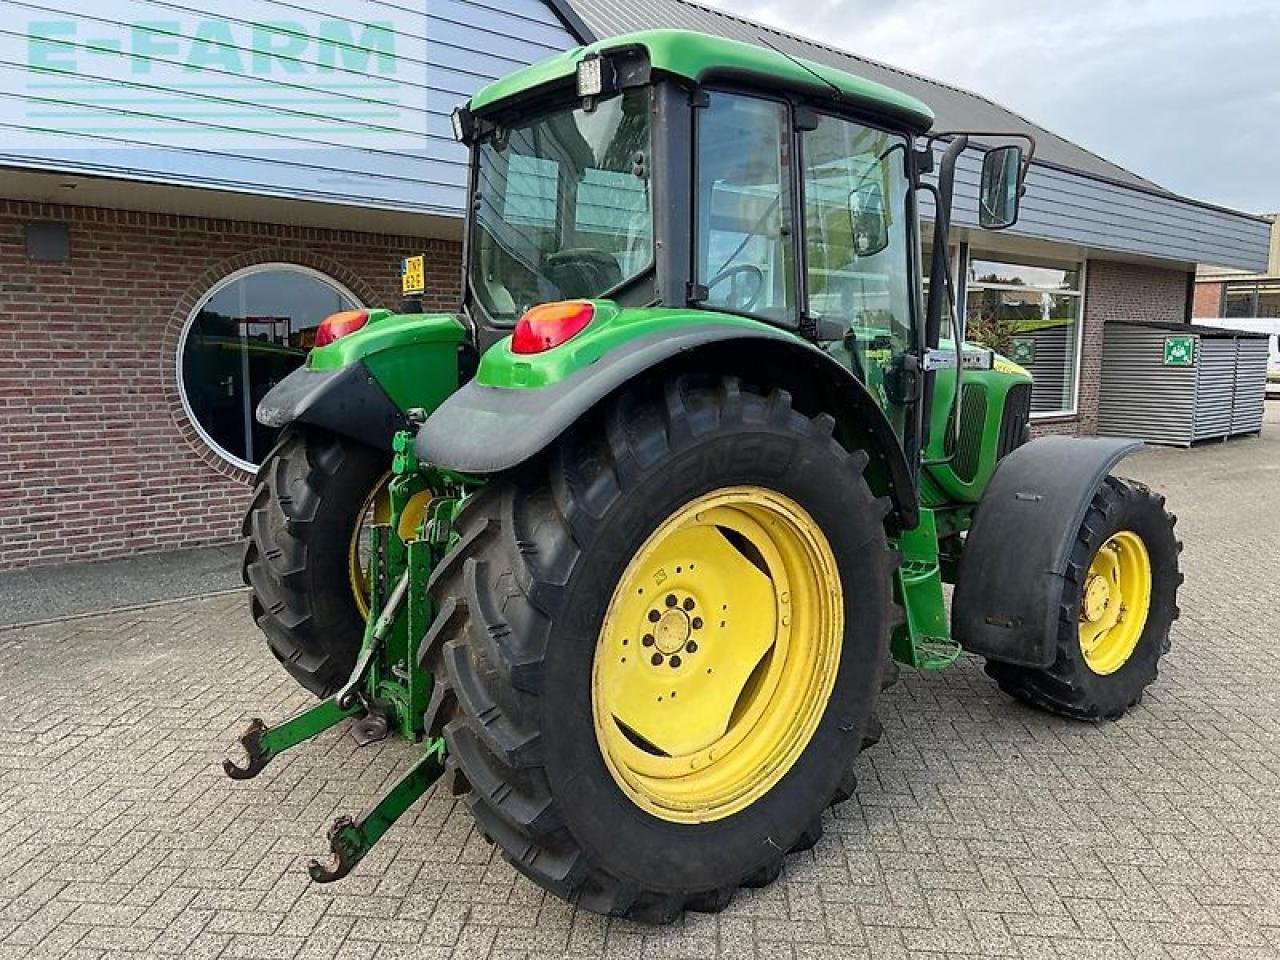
(338, 325)
(550, 325)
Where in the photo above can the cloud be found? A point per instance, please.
(1184, 92)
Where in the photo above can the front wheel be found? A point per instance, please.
(1119, 601)
(658, 652)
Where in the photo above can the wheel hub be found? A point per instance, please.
(1097, 598)
(672, 632)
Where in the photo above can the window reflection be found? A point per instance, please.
(856, 247)
(1031, 314)
(246, 337)
(745, 253)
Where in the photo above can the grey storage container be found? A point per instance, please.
(1155, 391)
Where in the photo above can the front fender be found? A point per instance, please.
(361, 384)
(518, 405)
(1015, 557)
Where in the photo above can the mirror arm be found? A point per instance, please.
(951, 301)
(941, 233)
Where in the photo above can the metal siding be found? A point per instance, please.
(296, 130)
(1141, 397)
(1215, 388)
(1076, 209)
(456, 46)
(1249, 404)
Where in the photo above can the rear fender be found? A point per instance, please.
(1015, 557)
(518, 405)
(361, 385)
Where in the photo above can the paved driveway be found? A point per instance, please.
(980, 827)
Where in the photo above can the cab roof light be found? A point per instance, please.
(464, 124)
(338, 325)
(596, 76)
(551, 324)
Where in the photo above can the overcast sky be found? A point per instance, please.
(1183, 92)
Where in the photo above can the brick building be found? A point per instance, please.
(181, 202)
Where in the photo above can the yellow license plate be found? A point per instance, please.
(413, 275)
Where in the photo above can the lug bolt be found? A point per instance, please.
(691, 646)
(654, 616)
(688, 603)
(671, 599)
(647, 639)
(656, 660)
(675, 662)
(697, 623)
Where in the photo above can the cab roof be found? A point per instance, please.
(699, 57)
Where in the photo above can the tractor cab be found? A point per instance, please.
(673, 169)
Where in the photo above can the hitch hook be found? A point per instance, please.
(347, 847)
(251, 741)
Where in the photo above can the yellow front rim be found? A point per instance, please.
(1114, 602)
(718, 654)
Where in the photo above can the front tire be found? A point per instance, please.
(1119, 601)
(309, 498)
(535, 599)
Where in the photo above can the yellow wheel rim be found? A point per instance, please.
(375, 510)
(1114, 602)
(717, 655)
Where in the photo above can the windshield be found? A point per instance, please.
(563, 209)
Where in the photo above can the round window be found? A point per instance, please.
(245, 336)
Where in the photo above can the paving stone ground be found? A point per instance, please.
(980, 827)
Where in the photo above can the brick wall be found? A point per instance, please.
(1208, 300)
(97, 457)
(1115, 291)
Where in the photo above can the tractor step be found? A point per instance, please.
(936, 653)
(923, 640)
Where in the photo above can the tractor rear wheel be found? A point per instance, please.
(303, 526)
(1119, 601)
(657, 651)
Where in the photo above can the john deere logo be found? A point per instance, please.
(1179, 351)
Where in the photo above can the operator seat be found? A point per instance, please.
(582, 273)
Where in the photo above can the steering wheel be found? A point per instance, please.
(737, 300)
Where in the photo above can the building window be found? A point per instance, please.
(245, 336)
(1031, 313)
(1252, 298)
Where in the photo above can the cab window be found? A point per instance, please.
(856, 246)
(745, 255)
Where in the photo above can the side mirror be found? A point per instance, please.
(868, 219)
(1001, 188)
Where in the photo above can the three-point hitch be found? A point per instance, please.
(387, 691)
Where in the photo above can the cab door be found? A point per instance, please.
(859, 288)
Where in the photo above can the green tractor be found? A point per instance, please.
(632, 543)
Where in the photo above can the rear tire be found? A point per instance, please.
(521, 601)
(1071, 687)
(307, 501)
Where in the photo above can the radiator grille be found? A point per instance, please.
(1017, 408)
(973, 413)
